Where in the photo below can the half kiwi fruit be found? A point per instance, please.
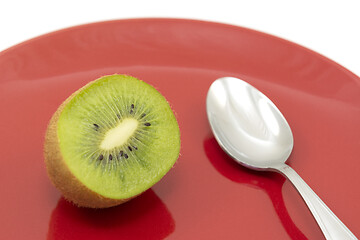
(110, 141)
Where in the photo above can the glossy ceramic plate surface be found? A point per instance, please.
(206, 195)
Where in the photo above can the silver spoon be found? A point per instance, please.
(250, 128)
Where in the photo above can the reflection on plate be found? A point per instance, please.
(205, 196)
(144, 218)
(270, 182)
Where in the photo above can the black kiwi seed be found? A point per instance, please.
(132, 106)
(101, 157)
(135, 147)
(118, 116)
(96, 126)
(147, 124)
(121, 153)
(110, 157)
(131, 111)
(125, 155)
(129, 148)
(142, 115)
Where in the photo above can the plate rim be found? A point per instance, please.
(352, 75)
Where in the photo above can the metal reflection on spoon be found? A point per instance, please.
(252, 130)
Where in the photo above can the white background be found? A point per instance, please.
(331, 28)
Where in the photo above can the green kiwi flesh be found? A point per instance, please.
(118, 136)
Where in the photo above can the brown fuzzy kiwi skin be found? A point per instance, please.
(60, 175)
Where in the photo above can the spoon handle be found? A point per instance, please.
(330, 225)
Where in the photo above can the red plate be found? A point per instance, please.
(206, 195)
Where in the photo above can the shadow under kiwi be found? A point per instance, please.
(144, 217)
(270, 182)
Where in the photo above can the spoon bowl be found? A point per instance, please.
(251, 129)
(247, 125)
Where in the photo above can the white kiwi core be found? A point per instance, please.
(119, 135)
